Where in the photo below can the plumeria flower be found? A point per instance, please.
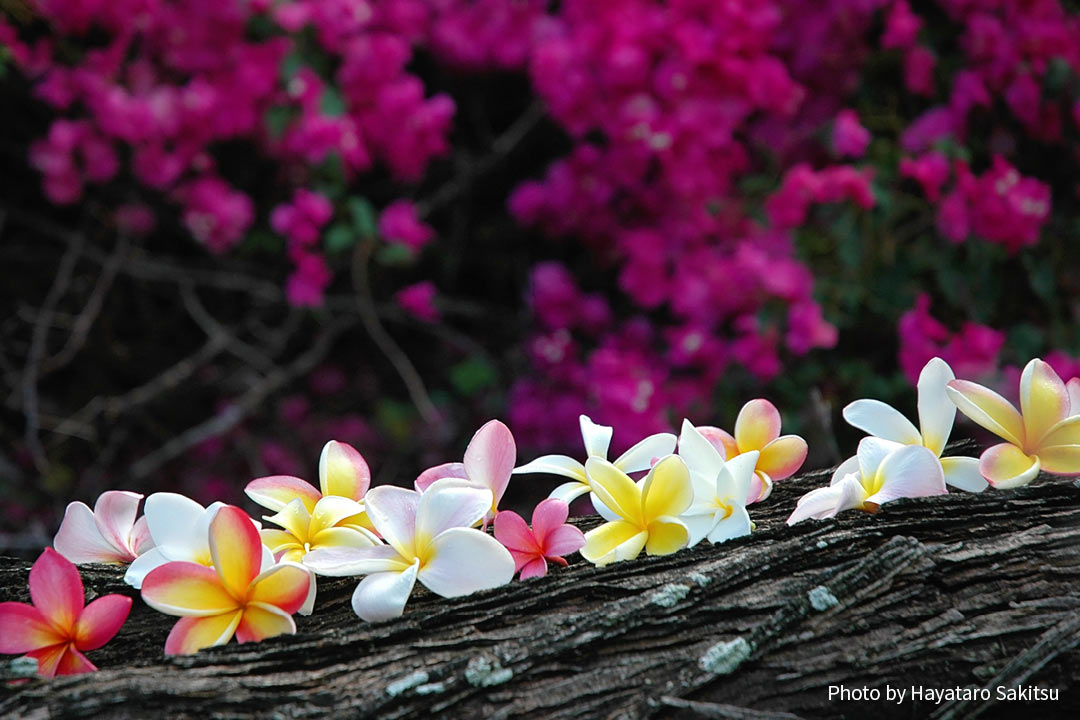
(107, 534)
(488, 463)
(240, 595)
(343, 472)
(1043, 435)
(549, 539)
(57, 629)
(718, 511)
(597, 439)
(430, 538)
(936, 416)
(648, 513)
(757, 427)
(886, 471)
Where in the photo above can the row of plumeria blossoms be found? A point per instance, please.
(225, 574)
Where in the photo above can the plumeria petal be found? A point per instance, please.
(344, 537)
(1073, 388)
(48, 659)
(191, 634)
(1066, 432)
(73, 662)
(185, 588)
(114, 514)
(295, 518)
(100, 621)
(1044, 400)
(666, 535)
(490, 456)
(174, 521)
(464, 561)
(554, 465)
(963, 473)
(782, 457)
(393, 512)
(988, 409)
(537, 567)
(872, 452)
(277, 491)
(910, 472)
(382, 596)
(261, 621)
(736, 525)
(513, 533)
(563, 541)
(936, 411)
(822, 503)
(236, 549)
(761, 486)
(613, 541)
(57, 590)
(1006, 466)
(720, 439)
(1060, 459)
(346, 562)
(446, 470)
(80, 540)
(343, 471)
(24, 628)
(640, 456)
(548, 516)
(849, 466)
(757, 425)
(614, 488)
(331, 510)
(699, 524)
(284, 586)
(597, 438)
(667, 489)
(570, 491)
(141, 566)
(140, 540)
(451, 503)
(700, 455)
(881, 420)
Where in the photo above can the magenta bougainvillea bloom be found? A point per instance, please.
(549, 539)
(57, 629)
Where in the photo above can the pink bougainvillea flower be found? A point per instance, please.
(1043, 435)
(936, 416)
(430, 537)
(549, 539)
(488, 463)
(107, 534)
(886, 471)
(57, 629)
(239, 595)
(597, 438)
(758, 428)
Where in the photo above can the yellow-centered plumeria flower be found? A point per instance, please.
(648, 514)
(1043, 435)
(936, 415)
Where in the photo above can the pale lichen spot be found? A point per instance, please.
(485, 671)
(669, 595)
(406, 683)
(821, 599)
(724, 658)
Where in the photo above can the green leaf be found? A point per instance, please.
(472, 376)
(277, 119)
(363, 216)
(263, 241)
(331, 103)
(395, 256)
(339, 237)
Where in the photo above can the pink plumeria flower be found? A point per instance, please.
(488, 463)
(936, 416)
(430, 537)
(549, 539)
(718, 511)
(886, 471)
(757, 428)
(107, 534)
(241, 594)
(597, 439)
(1043, 435)
(57, 629)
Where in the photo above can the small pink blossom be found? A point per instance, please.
(549, 539)
(849, 137)
(107, 534)
(399, 223)
(419, 301)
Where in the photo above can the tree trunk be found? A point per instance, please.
(978, 591)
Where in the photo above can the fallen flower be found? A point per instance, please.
(549, 539)
(107, 534)
(936, 415)
(488, 463)
(597, 439)
(240, 594)
(648, 514)
(327, 525)
(430, 538)
(720, 489)
(343, 472)
(886, 471)
(757, 427)
(1042, 435)
(57, 629)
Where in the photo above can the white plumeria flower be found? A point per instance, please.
(597, 439)
(885, 471)
(429, 538)
(936, 415)
(718, 511)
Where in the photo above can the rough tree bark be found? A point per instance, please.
(960, 590)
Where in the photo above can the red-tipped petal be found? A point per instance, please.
(57, 590)
(264, 621)
(490, 457)
(191, 634)
(73, 662)
(446, 470)
(547, 516)
(23, 628)
(535, 568)
(720, 439)
(343, 471)
(114, 513)
(782, 457)
(513, 533)
(185, 588)
(283, 586)
(49, 659)
(236, 549)
(757, 425)
(100, 621)
(277, 491)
